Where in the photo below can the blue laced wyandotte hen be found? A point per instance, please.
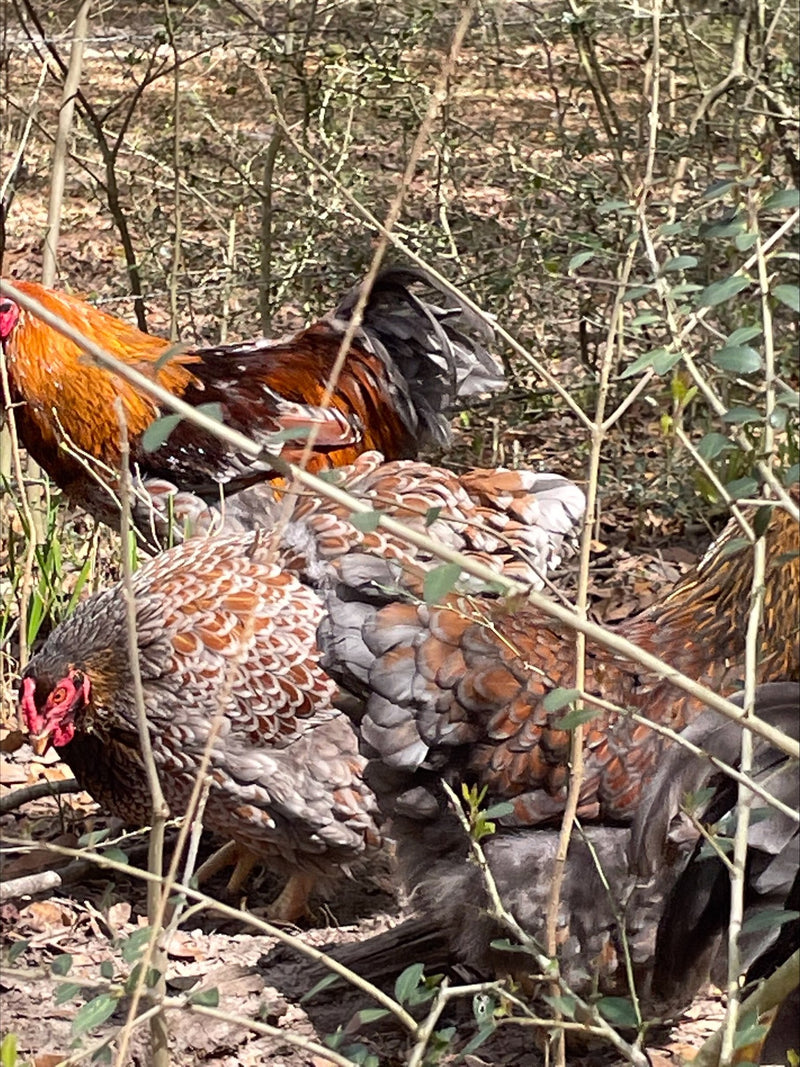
(226, 629)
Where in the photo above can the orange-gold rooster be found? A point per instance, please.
(408, 361)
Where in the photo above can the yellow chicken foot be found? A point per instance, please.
(230, 855)
(292, 902)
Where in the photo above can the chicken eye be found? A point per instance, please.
(59, 694)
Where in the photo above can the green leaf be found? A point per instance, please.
(107, 970)
(16, 950)
(62, 964)
(116, 855)
(669, 229)
(432, 514)
(612, 205)
(738, 359)
(769, 919)
(483, 1008)
(636, 293)
(742, 415)
(741, 488)
(733, 545)
(712, 445)
(664, 361)
(564, 1004)
(718, 189)
(578, 260)
(660, 359)
(639, 364)
(502, 944)
(724, 228)
(102, 1054)
(288, 433)
(751, 1035)
(744, 334)
(134, 946)
(170, 352)
(777, 419)
(684, 289)
(498, 811)
(93, 1013)
(788, 295)
(365, 521)
(439, 582)
(576, 718)
(371, 1015)
(482, 1035)
(323, 983)
(67, 991)
(212, 410)
(745, 241)
(618, 1010)
(646, 318)
(407, 982)
(205, 998)
(791, 475)
(679, 263)
(8, 1051)
(157, 433)
(719, 292)
(560, 698)
(782, 198)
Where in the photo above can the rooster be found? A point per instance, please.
(226, 625)
(409, 359)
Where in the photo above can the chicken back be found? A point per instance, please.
(408, 361)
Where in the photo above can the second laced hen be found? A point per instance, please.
(643, 907)
(455, 692)
(458, 688)
(226, 629)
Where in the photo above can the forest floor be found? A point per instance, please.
(64, 944)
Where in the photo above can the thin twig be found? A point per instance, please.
(155, 859)
(59, 788)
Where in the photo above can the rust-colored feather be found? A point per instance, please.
(407, 362)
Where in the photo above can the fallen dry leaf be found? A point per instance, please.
(48, 1059)
(11, 740)
(42, 914)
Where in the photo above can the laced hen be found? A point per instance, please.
(408, 361)
(226, 626)
(663, 894)
(456, 689)
(455, 692)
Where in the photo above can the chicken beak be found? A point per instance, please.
(40, 743)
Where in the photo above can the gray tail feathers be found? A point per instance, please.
(432, 354)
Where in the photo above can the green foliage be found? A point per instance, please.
(8, 1051)
(481, 820)
(440, 581)
(159, 430)
(94, 1012)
